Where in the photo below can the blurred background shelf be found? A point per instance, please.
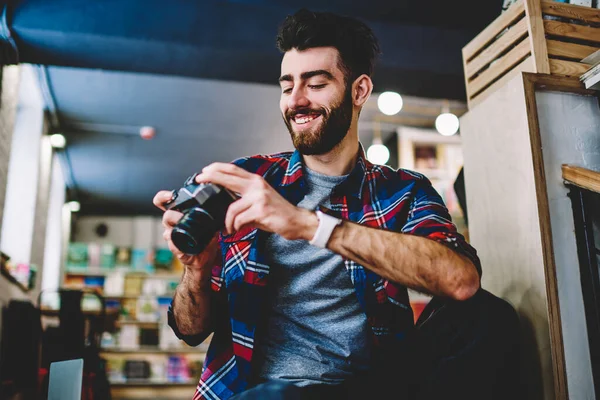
(97, 271)
(151, 382)
(154, 349)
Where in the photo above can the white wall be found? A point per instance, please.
(54, 229)
(11, 76)
(570, 133)
(16, 238)
(141, 232)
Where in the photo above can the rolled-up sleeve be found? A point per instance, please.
(428, 217)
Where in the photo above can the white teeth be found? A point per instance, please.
(303, 120)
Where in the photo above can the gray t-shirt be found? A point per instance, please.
(317, 331)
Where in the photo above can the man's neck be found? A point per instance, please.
(339, 161)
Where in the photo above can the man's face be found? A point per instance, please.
(315, 103)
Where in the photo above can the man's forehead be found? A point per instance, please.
(295, 62)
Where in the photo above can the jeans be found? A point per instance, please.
(459, 350)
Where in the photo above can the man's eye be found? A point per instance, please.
(317, 86)
(287, 90)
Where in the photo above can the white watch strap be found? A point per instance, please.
(327, 224)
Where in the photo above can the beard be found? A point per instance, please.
(329, 133)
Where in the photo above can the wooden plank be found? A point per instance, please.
(512, 36)
(554, 319)
(525, 66)
(582, 177)
(571, 11)
(466, 78)
(572, 31)
(537, 39)
(409, 121)
(568, 68)
(558, 83)
(569, 50)
(488, 34)
(422, 110)
(499, 68)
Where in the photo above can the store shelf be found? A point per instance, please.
(157, 350)
(96, 271)
(135, 297)
(54, 313)
(151, 382)
(141, 324)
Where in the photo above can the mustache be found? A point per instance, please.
(292, 113)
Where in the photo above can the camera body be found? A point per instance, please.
(204, 206)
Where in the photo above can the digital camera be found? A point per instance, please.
(204, 206)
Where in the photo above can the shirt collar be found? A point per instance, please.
(353, 184)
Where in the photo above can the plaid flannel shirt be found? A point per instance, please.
(372, 195)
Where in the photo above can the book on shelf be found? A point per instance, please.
(147, 309)
(123, 256)
(163, 259)
(129, 309)
(155, 287)
(142, 260)
(77, 255)
(129, 337)
(107, 256)
(114, 284)
(133, 285)
(167, 339)
(94, 251)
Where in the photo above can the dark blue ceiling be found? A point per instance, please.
(204, 73)
(234, 40)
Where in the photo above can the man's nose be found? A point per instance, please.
(298, 99)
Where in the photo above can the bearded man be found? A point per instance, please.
(305, 289)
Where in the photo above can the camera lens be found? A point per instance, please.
(194, 231)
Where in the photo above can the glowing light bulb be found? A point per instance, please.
(389, 103)
(447, 124)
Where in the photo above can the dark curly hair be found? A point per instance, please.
(355, 41)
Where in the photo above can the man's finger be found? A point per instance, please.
(176, 252)
(244, 218)
(171, 218)
(227, 168)
(161, 198)
(232, 182)
(234, 209)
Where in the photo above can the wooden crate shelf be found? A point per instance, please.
(531, 36)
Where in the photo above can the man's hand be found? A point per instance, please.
(260, 206)
(206, 259)
(192, 300)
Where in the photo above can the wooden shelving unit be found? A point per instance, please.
(150, 382)
(122, 311)
(155, 350)
(538, 36)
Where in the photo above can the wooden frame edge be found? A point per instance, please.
(531, 82)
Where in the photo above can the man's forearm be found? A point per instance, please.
(412, 261)
(191, 303)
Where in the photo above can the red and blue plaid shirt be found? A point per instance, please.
(372, 195)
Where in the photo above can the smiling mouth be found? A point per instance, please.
(301, 119)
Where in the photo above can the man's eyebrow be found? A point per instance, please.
(307, 75)
(286, 78)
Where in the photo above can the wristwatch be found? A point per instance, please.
(327, 224)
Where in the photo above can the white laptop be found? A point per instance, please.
(65, 380)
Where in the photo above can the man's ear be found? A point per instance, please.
(361, 90)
